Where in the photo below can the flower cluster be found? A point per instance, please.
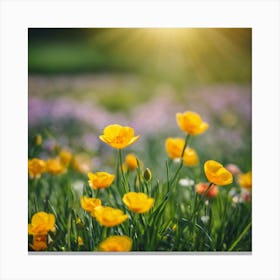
(129, 209)
(58, 165)
(191, 124)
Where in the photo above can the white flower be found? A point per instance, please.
(177, 160)
(237, 199)
(205, 219)
(186, 182)
(78, 185)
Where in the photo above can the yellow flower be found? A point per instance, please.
(116, 243)
(138, 202)
(118, 136)
(41, 224)
(190, 157)
(131, 161)
(174, 147)
(55, 167)
(36, 167)
(245, 180)
(88, 204)
(191, 123)
(100, 180)
(81, 163)
(65, 157)
(39, 242)
(216, 173)
(80, 241)
(108, 216)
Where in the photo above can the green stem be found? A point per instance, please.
(68, 240)
(197, 206)
(126, 186)
(104, 233)
(97, 193)
(234, 244)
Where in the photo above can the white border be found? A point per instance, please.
(262, 16)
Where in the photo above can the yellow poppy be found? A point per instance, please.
(138, 202)
(116, 243)
(174, 147)
(36, 167)
(118, 136)
(100, 180)
(65, 157)
(216, 173)
(55, 167)
(108, 216)
(41, 224)
(88, 203)
(190, 157)
(191, 123)
(245, 180)
(131, 161)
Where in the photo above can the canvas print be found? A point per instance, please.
(139, 140)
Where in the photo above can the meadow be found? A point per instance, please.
(122, 160)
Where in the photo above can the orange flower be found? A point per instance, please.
(201, 188)
(108, 216)
(233, 168)
(191, 123)
(116, 243)
(36, 167)
(100, 180)
(138, 202)
(88, 203)
(118, 136)
(217, 174)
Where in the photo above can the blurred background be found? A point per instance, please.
(81, 80)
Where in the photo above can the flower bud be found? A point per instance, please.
(38, 139)
(147, 174)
